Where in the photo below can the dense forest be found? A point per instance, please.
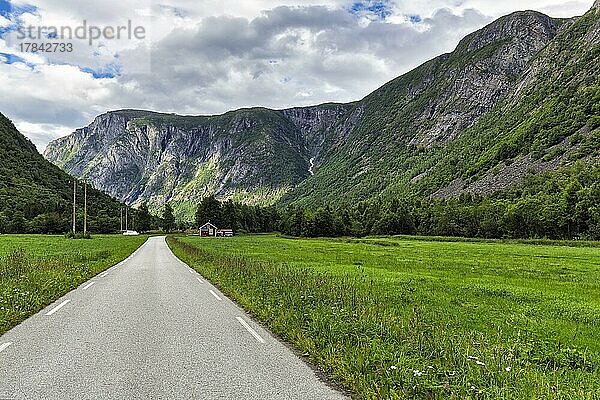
(555, 205)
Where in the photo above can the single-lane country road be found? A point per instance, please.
(150, 328)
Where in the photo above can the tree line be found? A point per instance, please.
(562, 204)
(32, 209)
(557, 205)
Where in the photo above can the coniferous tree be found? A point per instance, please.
(209, 210)
(168, 219)
(144, 219)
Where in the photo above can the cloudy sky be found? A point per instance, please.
(210, 56)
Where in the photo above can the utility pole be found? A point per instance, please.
(84, 208)
(126, 225)
(121, 219)
(74, 206)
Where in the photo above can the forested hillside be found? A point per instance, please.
(36, 196)
(563, 204)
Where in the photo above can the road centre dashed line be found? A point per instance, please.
(88, 285)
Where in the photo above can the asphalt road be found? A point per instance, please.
(150, 328)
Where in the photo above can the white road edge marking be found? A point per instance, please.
(58, 307)
(103, 275)
(249, 329)
(200, 280)
(216, 295)
(87, 286)
(4, 346)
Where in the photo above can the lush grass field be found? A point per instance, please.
(399, 318)
(36, 270)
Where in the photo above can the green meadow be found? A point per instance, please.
(399, 318)
(36, 270)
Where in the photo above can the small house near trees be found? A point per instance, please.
(210, 230)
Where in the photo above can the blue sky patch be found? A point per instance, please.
(6, 29)
(378, 8)
(13, 14)
(11, 58)
(107, 72)
(415, 18)
(5, 8)
(7, 58)
(5, 11)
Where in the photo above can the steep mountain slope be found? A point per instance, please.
(520, 94)
(550, 119)
(253, 155)
(539, 113)
(35, 196)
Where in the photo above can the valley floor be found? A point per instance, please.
(406, 318)
(150, 328)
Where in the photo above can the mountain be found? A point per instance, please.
(521, 95)
(36, 196)
(252, 155)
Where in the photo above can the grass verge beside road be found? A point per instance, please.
(36, 270)
(399, 318)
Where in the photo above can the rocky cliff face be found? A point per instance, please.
(463, 86)
(499, 98)
(252, 155)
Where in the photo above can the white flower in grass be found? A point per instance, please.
(480, 363)
(416, 372)
(508, 369)
(393, 367)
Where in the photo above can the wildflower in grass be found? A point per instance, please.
(393, 367)
(507, 369)
(416, 372)
(476, 359)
